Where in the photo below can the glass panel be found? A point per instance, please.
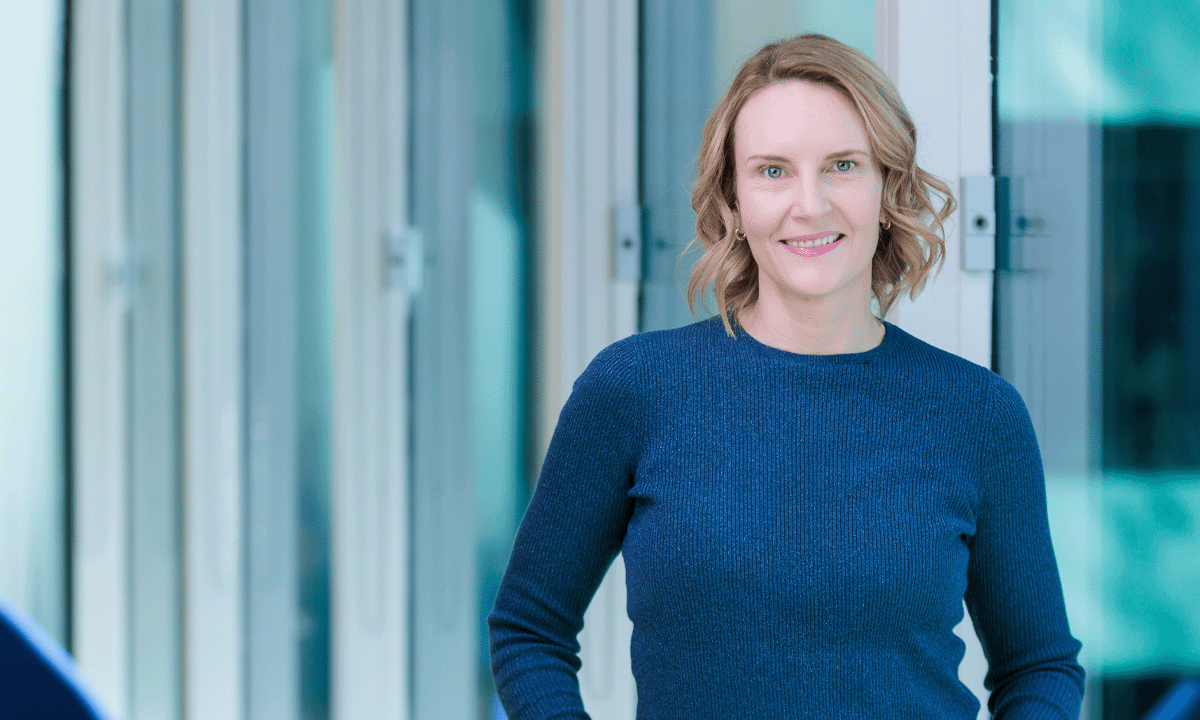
(471, 184)
(502, 206)
(314, 352)
(33, 569)
(153, 370)
(690, 52)
(1097, 319)
(290, 111)
(442, 180)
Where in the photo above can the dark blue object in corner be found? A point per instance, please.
(38, 679)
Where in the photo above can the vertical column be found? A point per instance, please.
(954, 312)
(273, 149)
(975, 158)
(913, 39)
(154, 571)
(445, 636)
(678, 80)
(100, 602)
(374, 271)
(213, 359)
(33, 564)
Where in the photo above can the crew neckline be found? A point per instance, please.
(891, 337)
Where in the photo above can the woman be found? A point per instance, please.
(804, 493)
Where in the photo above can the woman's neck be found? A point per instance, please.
(831, 332)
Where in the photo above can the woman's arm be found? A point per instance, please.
(569, 536)
(1014, 593)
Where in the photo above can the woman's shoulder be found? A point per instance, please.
(655, 345)
(637, 361)
(962, 381)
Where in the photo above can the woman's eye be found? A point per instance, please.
(844, 165)
(773, 171)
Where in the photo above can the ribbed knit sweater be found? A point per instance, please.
(799, 534)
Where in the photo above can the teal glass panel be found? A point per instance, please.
(314, 351)
(501, 213)
(153, 370)
(291, 100)
(1151, 453)
(1098, 320)
(471, 196)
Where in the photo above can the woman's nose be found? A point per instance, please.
(809, 199)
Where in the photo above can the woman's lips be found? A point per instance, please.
(810, 252)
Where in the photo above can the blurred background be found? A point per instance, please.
(291, 293)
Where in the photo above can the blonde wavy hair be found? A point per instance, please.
(906, 251)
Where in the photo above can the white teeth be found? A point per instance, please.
(813, 243)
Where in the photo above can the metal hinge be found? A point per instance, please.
(1021, 242)
(978, 195)
(999, 232)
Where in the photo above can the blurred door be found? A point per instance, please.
(300, 238)
(300, 434)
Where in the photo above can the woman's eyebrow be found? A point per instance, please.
(831, 156)
(846, 153)
(768, 158)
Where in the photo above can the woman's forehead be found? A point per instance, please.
(798, 115)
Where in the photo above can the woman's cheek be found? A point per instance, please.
(760, 216)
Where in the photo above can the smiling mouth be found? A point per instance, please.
(818, 242)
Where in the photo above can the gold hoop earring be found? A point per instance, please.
(737, 233)
(887, 225)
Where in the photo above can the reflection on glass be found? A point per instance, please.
(1151, 451)
(470, 195)
(1152, 246)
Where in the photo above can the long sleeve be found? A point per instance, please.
(1014, 593)
(571, 532)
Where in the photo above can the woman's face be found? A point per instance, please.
(804, 178)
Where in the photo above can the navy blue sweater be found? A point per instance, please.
(799, 534)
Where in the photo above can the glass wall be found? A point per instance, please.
(1097, 319)
(690, 52)
(298, 102)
